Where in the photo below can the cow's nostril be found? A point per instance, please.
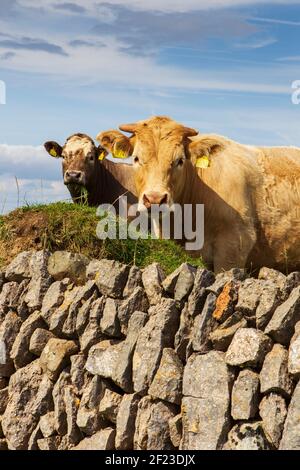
(155, 198)
(164, 199)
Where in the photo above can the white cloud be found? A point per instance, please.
(257, 44)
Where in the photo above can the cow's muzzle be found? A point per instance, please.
(74, 177)
(154, 197)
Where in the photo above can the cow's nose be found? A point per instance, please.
(73, 176)
(155, 198)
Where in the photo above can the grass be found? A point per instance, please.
(63, 226)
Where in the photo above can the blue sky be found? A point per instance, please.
(222, 66)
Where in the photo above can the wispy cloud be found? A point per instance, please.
(257, 43)
(31, 44)
(275, 21)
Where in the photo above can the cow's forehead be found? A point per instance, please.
(79, 143)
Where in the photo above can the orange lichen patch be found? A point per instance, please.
(226, 301)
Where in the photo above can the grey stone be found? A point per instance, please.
(81, 296)
(245, 395)
(54, 298)
(111, 278)
(125, 424)
(292, 281)
(249, 296)
(207, 384)
(294, 353)
(235, 274)
(8, 299)
(248, 348)
(167, 382)
(29, 398)
(291, 433)
(222, 336)
(175, 426)
(137, 301)
(40, 280)
(274, 376)
(79, 376)
(56, 355)
(281, 326)
(20, 352)
(59, 403)
(91, 305)
(152, 425)
(35, 436)
(49, 443)
(59, 316)
(109, 323)
(38, 341)
(102, 440)
(268, 274)
(19, 269)
(63, 264)
(47, 424)
(185, 282)
(90, 337)
(103, 359)
(156, 335)
(169, 282)
(8, 332)
(273, 411)
(88, 417)
(71, 406)
(204, 325)
(134, 281)
(183, 336)
(109, 405)
(270, 299)
(203, 280)
(3, 400)
(152, 277)
(247, 436)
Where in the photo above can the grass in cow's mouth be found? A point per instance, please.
(72, 227)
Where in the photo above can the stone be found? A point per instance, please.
(109, 323)
(102, 440)
(274, 376)
(79, 376)
(125, 423)
(185, 282)
(29, 399)
(169, 282)
(59, 316)
(58, 396)
(56, 355)
(137, 301)
(294, 353)
(49, 443)
(88, 417)
(35, 436)
(235, 274)
(152, 277)
(8, 299)
(249, 296)
(270, 299)
(281, 326)
(63, 264)
(175, 426)
(91, 336)
(226, 301)
(273, 411)
(203, 326)
(247, 436)
(3, 382)
(157, 334)
(19, 268)
(20, 352)
(207, 385)
(291, 432)
(203, 280)
(183, 339)
(47, 424)
(292, 281)
(134, 281)
(268, 274)
(92, 305)
(103, 358)
(3, 400)
(245, 394)
(111, 278)
(152, 425)
(40, 280)
(72, 404)
(54, 298)
(38, 341)
(109, 405)
(82, 294)
(222, 336)
(9, 330)
(248, 348)
(1, 430)
(167, 382)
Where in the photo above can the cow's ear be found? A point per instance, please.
(101, 153)
(202, 151)
(53, 148)
(115, 143)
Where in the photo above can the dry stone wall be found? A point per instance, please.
(98, 355)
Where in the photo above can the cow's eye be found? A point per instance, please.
(136, 159)
(179, 162)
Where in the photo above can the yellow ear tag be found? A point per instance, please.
(202, 162)
(119, 154)
(53, 153)
(102, 155)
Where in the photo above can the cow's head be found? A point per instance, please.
(163, 157)
(80, 158)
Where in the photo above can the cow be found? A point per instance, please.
(84, 166)
(251, 195)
